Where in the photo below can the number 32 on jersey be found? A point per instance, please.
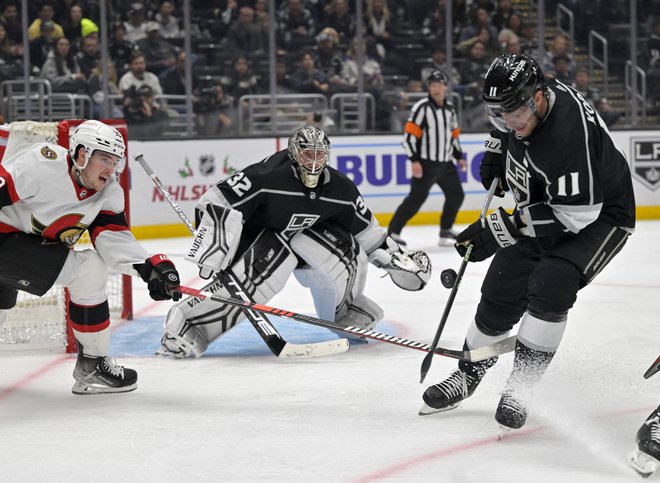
(240, 183)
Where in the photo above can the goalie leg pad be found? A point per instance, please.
(193, 323)
(363, 313)
(335, 271)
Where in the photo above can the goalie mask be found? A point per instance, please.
(93, 136)
(309, 148)
(511, 83)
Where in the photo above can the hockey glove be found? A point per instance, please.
(500, 231)
(161, 277)
(492, 164)
(408, 270)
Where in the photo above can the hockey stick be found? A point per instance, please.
(475, 355)
(270, 335)
(655, 367)
(426, 363)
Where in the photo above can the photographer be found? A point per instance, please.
(214, 111)
(145, 119)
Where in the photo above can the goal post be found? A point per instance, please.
(38, 323)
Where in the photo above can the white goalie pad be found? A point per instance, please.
(216, 239)
(408, 270)
(193, 323)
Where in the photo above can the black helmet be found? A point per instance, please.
(437, 75)
(511, 81)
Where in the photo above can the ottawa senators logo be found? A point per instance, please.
(48, 153)
(66, 229)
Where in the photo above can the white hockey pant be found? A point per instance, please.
(85, 275)
(193, 323)
(335, 273)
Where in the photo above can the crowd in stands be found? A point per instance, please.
(316, 45)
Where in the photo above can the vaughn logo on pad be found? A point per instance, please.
(645, 162)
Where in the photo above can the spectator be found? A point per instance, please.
(138, 76)
(72, 26)
(415, 86)
(240, 80)
(338, 16)
(9, 19)
(400, 111)
(95, 83)
(89, 55)
(308, 79)
(371, 69)
(433, 26)
(215, 113)
(169, 25)
(159, 53)
(502, 14)
(653, 70)
(11, 64)
(174, 82)
(46, 14)
(379, 25)
(135, 27)
(43, 44)
(285, 84)
(120, 49)
(480, 20)
(475, 65)
(144, 118)
(328, 58)
(559, 45)
(491, 47)
(245, 35)
(583, 85)
(62, 70)
(439, 62)
(261, 11)
(515, 23)
(528, 39)
(295, 25)
(561, 69)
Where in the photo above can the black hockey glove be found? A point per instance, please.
(500, 231)
(161, 277)
(492, 164)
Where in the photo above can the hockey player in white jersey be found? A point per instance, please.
(575, 209)
(290, 213)
(48, 198)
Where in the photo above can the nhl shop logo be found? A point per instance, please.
(645, 163)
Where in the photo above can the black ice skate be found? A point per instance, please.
(645, 458)
(99, 375)
(450, 392)
(511, 412)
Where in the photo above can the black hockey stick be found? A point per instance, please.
(426, 363)
(502, 347)
(270, 335)
(655, 367)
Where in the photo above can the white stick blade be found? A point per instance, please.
(319, 349)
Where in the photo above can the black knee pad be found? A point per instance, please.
(553, 288)
(494, 318)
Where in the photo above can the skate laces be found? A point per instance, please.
(654, 423)
(112, 367)
(456, 384)
(510, 402)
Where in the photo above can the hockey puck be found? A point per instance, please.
(448, 277)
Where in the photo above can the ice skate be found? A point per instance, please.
(447, 238)
(100, 375)
(511, 413)
(645, 458)
(449, 393)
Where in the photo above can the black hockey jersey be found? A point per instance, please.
(568, 173)
(270, 194)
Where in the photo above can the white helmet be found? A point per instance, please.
(309, 148)
(95, 135)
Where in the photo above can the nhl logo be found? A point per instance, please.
(645, 161)
(207, 164)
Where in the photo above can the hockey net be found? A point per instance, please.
(42, 323)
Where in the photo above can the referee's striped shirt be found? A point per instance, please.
(431, 133)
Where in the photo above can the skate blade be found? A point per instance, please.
(168, 354)
(642, 463)
(83, 389)
(504, 430)
(425, 410)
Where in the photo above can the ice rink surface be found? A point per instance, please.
(240, 414)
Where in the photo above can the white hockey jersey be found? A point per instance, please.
(39, 195)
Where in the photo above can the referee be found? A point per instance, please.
(431, 143)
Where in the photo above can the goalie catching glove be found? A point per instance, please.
(500, 231)
(161, 277)
(216, 239)
(409, 270)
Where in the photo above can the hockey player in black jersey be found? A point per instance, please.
(575, 209)
(290, 213)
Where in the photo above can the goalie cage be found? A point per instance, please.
(42, 323)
